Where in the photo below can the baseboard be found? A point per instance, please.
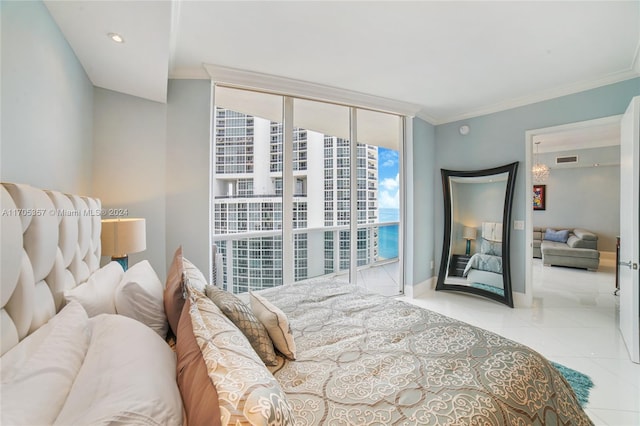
(521, 300)
(421, 289)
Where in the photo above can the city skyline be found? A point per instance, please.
(248, 186)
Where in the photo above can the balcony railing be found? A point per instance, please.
(382, 247)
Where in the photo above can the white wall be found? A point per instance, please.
(587, 198)
(47, 102)
(129, 147)
(584, 197)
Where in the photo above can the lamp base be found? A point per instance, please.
(123, 261)
(468, 251)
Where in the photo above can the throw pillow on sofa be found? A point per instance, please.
(558, 236)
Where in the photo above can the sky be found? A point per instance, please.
(388, 179)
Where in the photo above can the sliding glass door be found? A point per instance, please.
(295, 197)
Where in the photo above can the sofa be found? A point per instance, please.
(576, 248)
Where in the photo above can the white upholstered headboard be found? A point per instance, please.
(50, 243)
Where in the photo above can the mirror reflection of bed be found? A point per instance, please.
(477, 203)
(484, 267)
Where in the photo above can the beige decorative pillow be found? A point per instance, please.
(276, 323)
(247, 391)
(194, 278)
(242, 316)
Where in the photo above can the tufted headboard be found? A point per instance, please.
(50, 242)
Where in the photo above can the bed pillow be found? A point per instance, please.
(247, 391)
(97, 294)
(194, 278)
(128, 377)
(38, 373)
(490, 247)
(139, 296)
(199, 395)
(558, 236)
(173, 296)
(242, 316)
(276, 323)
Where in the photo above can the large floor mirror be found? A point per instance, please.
(477, 213)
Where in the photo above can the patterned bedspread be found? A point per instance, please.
(484, 262)
(366, 359)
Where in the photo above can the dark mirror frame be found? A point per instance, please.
(511, 169)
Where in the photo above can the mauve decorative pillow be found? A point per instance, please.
(199, 394)
(173, 296)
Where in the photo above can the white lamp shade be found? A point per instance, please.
(469, 233)
(123, 236)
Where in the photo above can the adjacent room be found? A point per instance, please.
(320, 213)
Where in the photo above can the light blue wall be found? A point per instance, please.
(499, 138)
(153, 159)
(47, 103)
(129, 142)
(424, 187)
(188, 153)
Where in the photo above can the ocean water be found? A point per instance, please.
(388, 235)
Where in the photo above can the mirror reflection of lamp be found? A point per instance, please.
(469, 233)
(120, 237)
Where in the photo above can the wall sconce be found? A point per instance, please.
(469, 234)
(120, 237)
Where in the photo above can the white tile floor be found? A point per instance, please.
(574, 321)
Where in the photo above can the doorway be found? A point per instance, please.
(596, 145)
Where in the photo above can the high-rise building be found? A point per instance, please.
(248, 189)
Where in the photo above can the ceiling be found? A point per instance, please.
(586, 136)
(447, 60)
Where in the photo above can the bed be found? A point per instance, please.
(67, 356)
(484, 269)
(313, 353)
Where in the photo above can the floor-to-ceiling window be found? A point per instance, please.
(303, 189)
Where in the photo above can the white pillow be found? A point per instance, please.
(276, 323)
(38, 373)
(140, 296)
(98, 293)
(128, 377)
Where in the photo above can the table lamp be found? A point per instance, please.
(123, 236)
(469, 234)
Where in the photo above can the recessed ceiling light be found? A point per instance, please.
(116, 37)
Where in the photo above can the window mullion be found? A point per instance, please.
(287, 192)
(353, 195)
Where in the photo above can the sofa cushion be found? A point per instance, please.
(575, 242)
(558, 236)
(585, 235)
(550, 248)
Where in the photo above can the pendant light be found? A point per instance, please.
(539, 171)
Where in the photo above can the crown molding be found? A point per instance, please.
(233, 77)
(265, 82)
(189, 73)
(543, 96)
